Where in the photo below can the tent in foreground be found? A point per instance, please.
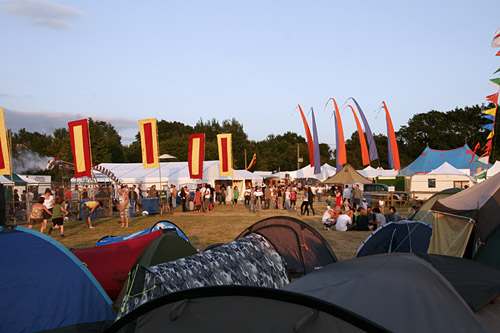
(111, 263)
(402, 236)
(302, 248)
(168, 227)
(241, 309)
(44, 286)
(407, 292)
(457, 215)
(347, 175)
(248, 261)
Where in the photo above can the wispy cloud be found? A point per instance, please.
(43, 12)
(47, 122)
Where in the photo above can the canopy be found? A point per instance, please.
(446, 169)
(347, 175)
(371, 172)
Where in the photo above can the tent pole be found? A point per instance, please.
(9, 145)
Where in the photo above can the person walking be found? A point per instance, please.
(304, 207)
(37, 213)
(58, 214)
(49, 204)
(310, 199)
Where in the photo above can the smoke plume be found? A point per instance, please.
(29, 161)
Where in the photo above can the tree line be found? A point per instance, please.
(439, 130)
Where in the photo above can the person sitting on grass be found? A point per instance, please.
(88, 207)
(344, 221)
(58, 214)
(37, 212)
(330, 218)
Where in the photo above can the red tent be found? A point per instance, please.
(111, 263)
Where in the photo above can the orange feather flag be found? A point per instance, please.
(365, 155)
(310, 142)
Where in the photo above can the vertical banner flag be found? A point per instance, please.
(341, 153)
(80, 145)
(317, 160)
(196, 155)
(149, 143)
(392, 142)
(365, 155)
(310, 143)
(4, 147)
(369, 135)
(225, 144)
(252, 162)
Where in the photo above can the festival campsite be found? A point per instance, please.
(357, 222)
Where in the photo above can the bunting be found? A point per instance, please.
(496, 40)
(341, 155)
(491, 112)
(196, 155)
(225, 145)
(369, 135)
(488, 127)
(362, 141)
(149, 143)
(252, 162)
(392, 142)
(317, 160)
(310, 143)
(5, 167)
(493, 98)
(80, 146)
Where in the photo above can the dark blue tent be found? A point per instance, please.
(168, 227)
(44, 286)
(402, 236)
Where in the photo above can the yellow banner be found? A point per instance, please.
(4, 148)
(79, 152)
(149, 143)
(195, 156)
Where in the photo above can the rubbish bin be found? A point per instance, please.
(132, 207)
(150, 205)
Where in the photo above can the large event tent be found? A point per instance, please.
(431, 159)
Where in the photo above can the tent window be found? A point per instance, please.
(460, 184)
(431, 183)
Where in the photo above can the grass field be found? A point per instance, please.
(221, 225)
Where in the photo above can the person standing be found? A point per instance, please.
(293, 198)
(49, 204)
(182, 196)
(59, 212)
(267, 194)
(357, 195)
(258, 203)
(173, 200)
(124, 207)
(304, 207)
(347, 194)
(310, 199)
(248, 194)
(222, 194)
(197, 200)
(338, 198)
(206, 199)
(236, 195)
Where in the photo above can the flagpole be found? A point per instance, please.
(9, 144)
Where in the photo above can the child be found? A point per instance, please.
(58, 214)
(37, 213)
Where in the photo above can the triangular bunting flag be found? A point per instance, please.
(489, 127)
(492, 112)
(492, 133)
(496, 40)
(488, 116)
(493, 98)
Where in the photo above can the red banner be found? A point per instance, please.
(224, 142)
(80, 146)
(196, 155)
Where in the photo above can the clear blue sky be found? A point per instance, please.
(121, 61)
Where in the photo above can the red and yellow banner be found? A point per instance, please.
(196, 155)
(149, 143)
(225, 144)
(80, 145)
(5, 168)
(252, 162)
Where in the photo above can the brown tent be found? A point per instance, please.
(347, 175)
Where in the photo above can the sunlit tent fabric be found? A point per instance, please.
(241, 309)
(110, 264)
(493, 170)
(305, 172)
(168, 227)
(431, 159)
(409, 292)
(478, 205)
(371, 172)
(163, 249)
(446, 169)
(44, 286)
(424, 212)
(347, 175)
(401, 236)
(302, 248)
(248, 261)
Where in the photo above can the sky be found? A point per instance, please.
(121, 61)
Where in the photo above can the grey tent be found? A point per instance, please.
(405, 292)
(302, 248)
(241, 309)
(475, 208)
(249, 261)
